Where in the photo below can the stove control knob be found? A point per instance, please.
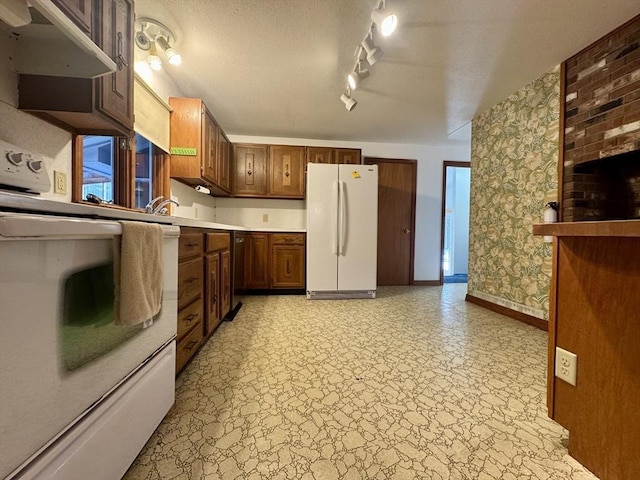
(35, 165)
(15, 157)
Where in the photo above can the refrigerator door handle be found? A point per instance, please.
(336, 202)
(343, 218)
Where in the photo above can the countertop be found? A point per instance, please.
(35, 204)
(607, 228)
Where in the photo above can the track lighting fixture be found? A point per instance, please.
(385, 21)
(349, 102)
(373, 53)
(151, 34)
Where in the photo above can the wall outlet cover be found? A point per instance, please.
(566, 366)
(59, 182)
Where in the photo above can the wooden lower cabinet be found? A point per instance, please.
(190, 299)
(256, 274)
(274, 261)
(204, 288)
(218, 279)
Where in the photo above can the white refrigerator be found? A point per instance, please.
(342, 231)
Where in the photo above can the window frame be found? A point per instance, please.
(124, 172)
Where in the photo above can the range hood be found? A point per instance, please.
(49, 43)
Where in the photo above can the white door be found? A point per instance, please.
(322, 208)
(358, 218)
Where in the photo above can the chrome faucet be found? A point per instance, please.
(160, 208)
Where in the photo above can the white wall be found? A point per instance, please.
(428, 194)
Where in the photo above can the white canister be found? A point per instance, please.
(550, 216)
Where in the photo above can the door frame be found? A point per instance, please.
(445, 164)
(414, 174)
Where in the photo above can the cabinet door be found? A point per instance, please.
(210, 149)
(249, 170)
(79, 11)
(286, 165)
(115, 91)
(224, 168)
(319, 155)
(225, 283)
(347, 155)
(212, 297)
(256, 261)
(287, 266)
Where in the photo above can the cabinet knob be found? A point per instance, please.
(406, 230)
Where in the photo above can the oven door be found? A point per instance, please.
(60, 351)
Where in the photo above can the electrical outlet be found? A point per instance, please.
(59, 183)
(566, 366)
(265, 217)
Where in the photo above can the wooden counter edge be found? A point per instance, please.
(610, 228)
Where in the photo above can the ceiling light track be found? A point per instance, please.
(383, 21)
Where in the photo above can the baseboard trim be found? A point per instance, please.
(522, 317)
(427, 283)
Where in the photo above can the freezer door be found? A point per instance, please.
(322, 233)
(357, 262)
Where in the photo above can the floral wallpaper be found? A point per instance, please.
(514, 155)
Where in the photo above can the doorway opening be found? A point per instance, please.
(454, 254)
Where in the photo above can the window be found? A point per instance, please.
(105, 167)
(97, 167)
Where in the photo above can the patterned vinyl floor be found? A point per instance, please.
(414, 384)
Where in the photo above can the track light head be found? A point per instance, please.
(385, 21)
(172, 54)
(358, 74)
(153, 59)
(349, 102)
(373, 53)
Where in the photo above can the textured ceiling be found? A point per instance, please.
(278, 67)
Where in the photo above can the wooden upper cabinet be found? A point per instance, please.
(250, 170)
(195, 141)
(224, 159)
(79, 11)
(347, 155)
(210, 149)
(319, 155)
(286, 171)
(115, 91)
(333, 155)
(101, 106)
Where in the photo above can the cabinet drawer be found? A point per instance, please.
(287, 238)
(188, 317)
(218, 241)
(186, 348)
(190, 245)
(189, 281)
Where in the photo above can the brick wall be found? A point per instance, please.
(602, 128)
